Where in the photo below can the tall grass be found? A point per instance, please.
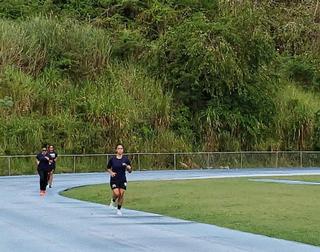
(33, 45)
(295, 119)
(121, 105)
(66, 91)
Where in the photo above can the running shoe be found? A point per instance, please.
(42, 193)
(119, 213)
(112, 204)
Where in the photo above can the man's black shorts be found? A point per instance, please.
(118, 184)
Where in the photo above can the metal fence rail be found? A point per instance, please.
(72, 163)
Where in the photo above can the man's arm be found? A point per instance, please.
(37, 160)
(128, 166)
(112, 174)
(109, 169)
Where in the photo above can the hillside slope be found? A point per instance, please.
(159, 75)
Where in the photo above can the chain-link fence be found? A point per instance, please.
(26, 164)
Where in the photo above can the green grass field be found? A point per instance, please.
(284, 211)
(299, 178)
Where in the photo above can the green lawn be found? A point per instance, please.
(289, 212)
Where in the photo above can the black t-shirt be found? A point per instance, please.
(43, 162)
(117, 166)
(52, 155)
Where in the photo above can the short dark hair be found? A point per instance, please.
(119, 144)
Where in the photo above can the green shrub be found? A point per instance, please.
(304, 71)
(78, 51)
(316, 136)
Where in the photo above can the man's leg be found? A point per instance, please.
(39, 172)
(46, 177)
(120, 201)
(115, 195)
(121, 197)
(50, 178)
(43, 184)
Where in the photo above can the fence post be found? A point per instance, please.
(241, 160)
(139, 165)
(208, 160)
(74, 164)
(277, 158)
(9, 166)
(106, 162)
(174, 161)
(301, 164)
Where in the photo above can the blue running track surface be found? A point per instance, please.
(30, 223)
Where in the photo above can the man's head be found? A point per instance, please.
(44, 150)
(119, 149)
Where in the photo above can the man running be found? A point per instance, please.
(43, 169)
(117, 167)
(53, 155)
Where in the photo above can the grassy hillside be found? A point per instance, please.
(159, 75)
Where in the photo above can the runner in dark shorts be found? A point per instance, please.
(117, 167)
(53, 155)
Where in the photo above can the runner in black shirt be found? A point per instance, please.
(43, 169)
(53, 155)
(117, 167)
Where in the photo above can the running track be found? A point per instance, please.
(30, 223)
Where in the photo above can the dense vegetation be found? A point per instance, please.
(159, 75)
